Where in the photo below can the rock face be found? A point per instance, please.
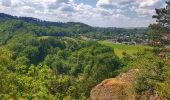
(115, 89)
(119, 88)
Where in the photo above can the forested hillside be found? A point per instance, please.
(45, 60)
(46, 28)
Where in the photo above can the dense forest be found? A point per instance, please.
(48, 60)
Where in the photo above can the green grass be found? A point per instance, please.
(129, 49)
(44, 37)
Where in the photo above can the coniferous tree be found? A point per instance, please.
(163, 16)
(161, 29)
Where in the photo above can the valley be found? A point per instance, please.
(50, 60)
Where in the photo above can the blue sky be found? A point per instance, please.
(103, 13)
(90, 2)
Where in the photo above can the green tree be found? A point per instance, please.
(163, 16)
(162, 27)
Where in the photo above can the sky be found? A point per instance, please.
(102, 13)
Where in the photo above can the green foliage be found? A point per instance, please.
(41, 62)
(53, 68)
(128, 49)
(162, 27)
(162, 16)
(153, 75)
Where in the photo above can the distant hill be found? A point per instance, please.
(4, 17)
(12, 24)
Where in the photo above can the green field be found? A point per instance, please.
(44, 37)
(129, 49)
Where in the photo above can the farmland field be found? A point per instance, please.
(129, 49)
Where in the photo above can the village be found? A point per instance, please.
(128, 39)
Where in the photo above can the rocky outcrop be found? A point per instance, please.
(120, 88)
(115, 88)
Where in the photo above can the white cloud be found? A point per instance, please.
(114, 3)
(145, 11)
(120, 3)
(145, 3)
(120, 13)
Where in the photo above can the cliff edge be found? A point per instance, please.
(115, 88)
(120, 88)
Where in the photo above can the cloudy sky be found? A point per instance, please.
(103, 13)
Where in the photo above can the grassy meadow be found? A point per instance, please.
(129, 49)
